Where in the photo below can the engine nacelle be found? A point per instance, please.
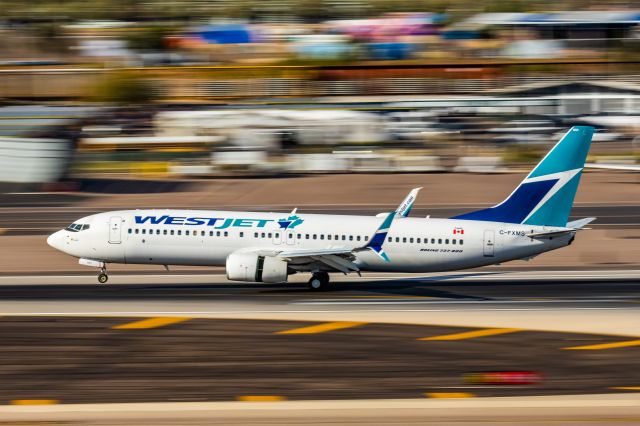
(253, 267)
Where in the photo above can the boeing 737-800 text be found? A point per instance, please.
(268, 247)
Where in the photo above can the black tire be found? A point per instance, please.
(319, 282)
(103, 278)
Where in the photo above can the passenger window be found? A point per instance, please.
(322, 236)
(186, 232)
(241, 234)
(129, 230)
(404, 239)
(389, 239)
(202, 233)
(217, 233)
(299, 236)
(172, 232)
(418, 241)
(446, 241)
(329, 237)
(410, 240)
(344, 238)
(337, 237)
(164, 232)
(277, 235)
(144, 231)
(269, 235)
(263, 235)
(315, 236)
(461, 242)
(306, 236)
(350, 237)
(226, 234)
(453, 241)
(397, 239)
(255, 235)
(433, 241)
(358, 238)
(179, 232)
(211, 233)
(439, 240)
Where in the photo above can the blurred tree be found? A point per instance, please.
(506, 6)
(148, 38)
(122, 89)
(49, 37)
(312, 10)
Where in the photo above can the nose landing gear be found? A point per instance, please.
(102, 276)
(319, 281)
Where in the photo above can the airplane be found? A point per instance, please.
(269, 247)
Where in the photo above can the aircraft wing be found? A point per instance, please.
(341, 258)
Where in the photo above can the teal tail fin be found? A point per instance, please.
(545, 196)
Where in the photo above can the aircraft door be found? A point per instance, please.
(489, 242)
(291, 238)
(277, 237)
(115, 230)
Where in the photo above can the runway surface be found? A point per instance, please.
(554, 300)
(110, 360)
(45, 220)
(389, 341)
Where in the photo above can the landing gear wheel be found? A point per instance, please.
(319, 281)
(103, 278)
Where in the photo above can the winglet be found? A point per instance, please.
(377, 240)
(406, 205)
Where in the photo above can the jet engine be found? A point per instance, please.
(253, 267)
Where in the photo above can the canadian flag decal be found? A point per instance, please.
(458, 230)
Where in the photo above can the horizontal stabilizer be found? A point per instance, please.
(580, 223)
(576, 225)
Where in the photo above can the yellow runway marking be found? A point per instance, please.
(150, 323)
(599, 346)
(627, 388)
(260, 398)
(321, 328)
(449, 395)
(34, 401)
(473, 334)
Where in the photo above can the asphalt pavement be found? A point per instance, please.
(109, 360)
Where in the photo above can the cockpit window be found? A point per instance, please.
(77, 227)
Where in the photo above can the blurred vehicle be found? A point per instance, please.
(410, 125)
(523, 131)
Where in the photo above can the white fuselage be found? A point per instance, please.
(207, 238)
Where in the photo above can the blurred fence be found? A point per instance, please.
(264, 81)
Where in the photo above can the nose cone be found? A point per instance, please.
(56, 240)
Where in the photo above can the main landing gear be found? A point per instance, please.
(102, 276)
(319, 281)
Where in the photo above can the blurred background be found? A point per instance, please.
(218, 88)
(270, 105)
